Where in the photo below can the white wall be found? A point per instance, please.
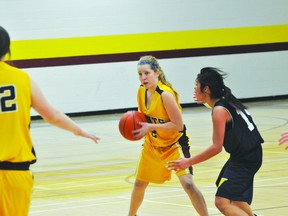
(98, 87)
(114, 85)
(38, 19)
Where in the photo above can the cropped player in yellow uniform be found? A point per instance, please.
(17, 94)
(165, 136)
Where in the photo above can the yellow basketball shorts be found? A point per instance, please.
(152, 165)
(15, 192)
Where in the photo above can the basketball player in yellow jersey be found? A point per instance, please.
(163, 141)
(17, 94)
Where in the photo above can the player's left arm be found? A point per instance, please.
(172, 109)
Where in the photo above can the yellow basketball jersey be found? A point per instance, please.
(157, 114)
(15, 103)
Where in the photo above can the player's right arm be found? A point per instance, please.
(54, 116)
(219, 118)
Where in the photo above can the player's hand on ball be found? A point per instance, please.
(179, 164)
(141, 132)
(130, 127)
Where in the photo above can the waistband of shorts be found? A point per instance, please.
(5, 165)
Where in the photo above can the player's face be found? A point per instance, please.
(198, 95)
(147, 76)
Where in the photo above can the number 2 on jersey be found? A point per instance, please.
(7, 97)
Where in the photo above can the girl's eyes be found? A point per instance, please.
(145, 72)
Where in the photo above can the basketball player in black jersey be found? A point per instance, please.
(233, 129)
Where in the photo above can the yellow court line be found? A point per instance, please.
(159, 41)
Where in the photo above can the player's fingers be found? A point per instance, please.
(173, 168)
(172, 165)
(135, 132)
(169, 165)
(138, 136)
(95, 139)
(283, 140)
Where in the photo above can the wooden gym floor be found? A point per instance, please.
(75, 177)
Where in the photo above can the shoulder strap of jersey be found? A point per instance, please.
(225, 105)
(159, 90)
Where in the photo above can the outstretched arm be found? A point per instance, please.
(54, 116)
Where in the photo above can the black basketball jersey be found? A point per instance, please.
(242, 138)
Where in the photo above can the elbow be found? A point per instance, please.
(51, 117)
(176, 126)
(180, 127)
(217, 149)
(51, 121)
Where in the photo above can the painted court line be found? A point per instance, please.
(72, 207)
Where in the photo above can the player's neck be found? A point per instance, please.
(151, 90)
(150, 94)
(212, 102)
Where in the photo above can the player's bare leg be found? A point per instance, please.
(137, 196)
(232, 208)
(244, 206)
(194, 194)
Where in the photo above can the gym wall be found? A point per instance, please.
(84, 54)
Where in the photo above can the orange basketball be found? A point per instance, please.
(129, 122)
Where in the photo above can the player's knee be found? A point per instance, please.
(221, 204)
(188, 187)
(140, 185)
